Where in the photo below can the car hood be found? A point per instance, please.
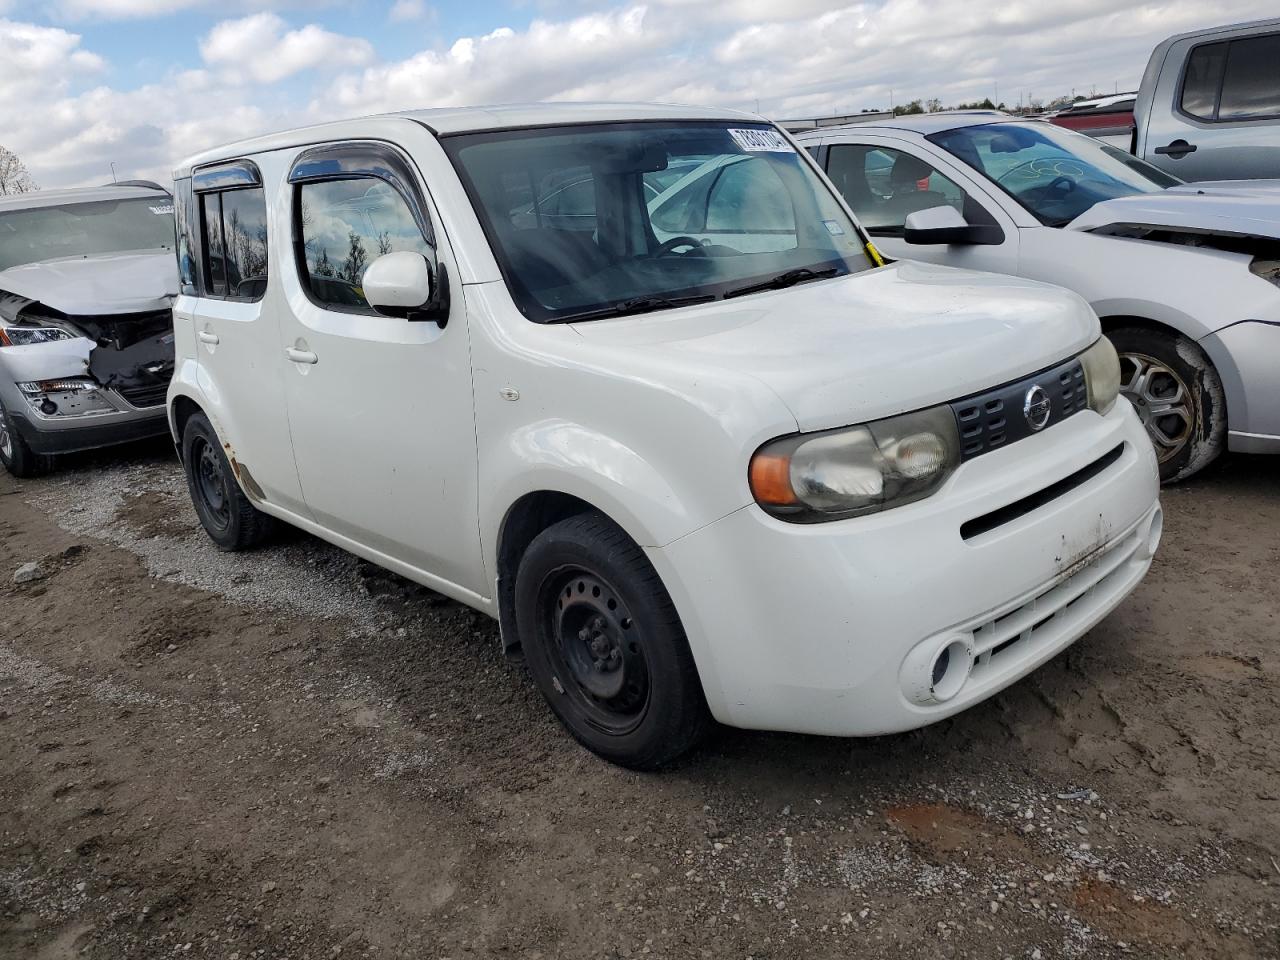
(868, 345)
(97, 286)
(1240, 207)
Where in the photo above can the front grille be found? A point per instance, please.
(145, 395)
(996, 418)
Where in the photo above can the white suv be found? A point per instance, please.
(632, 380)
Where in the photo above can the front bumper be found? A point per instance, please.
(67, 434)
(834, 628)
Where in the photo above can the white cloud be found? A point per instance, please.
(536, 63)
(262, 49)
(405, 10)
(59, 111)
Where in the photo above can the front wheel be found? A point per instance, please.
(1178, 396)
(605, 645)
(18, 458)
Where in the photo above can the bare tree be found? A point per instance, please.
(14, 177)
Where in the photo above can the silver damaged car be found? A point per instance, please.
(87, 281)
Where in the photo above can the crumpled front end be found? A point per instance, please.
(78, 382)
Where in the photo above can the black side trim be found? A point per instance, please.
(1020, 508)
(226, 176)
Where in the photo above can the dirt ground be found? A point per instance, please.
(290, 754)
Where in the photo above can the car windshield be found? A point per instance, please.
(1056, 174)
(610, 219)
(85, 229)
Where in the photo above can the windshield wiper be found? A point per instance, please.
(788, 279)
(634, 305)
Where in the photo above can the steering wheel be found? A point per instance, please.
(670, 246)
(1046, 167)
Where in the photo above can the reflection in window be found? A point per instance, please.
(235, 243)
(345, 226)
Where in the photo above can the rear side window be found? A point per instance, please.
(1233, 80)
(1201, 81)
(344, 225)
(233, 225)
(1251, 82)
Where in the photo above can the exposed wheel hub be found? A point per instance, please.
(1162, 401)
(598, 649)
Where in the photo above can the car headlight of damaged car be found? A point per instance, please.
(1101, 375)
(26, 336)
(852, 471)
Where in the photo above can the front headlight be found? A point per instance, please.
(25, 336)
(1101, 375)
(851, 471)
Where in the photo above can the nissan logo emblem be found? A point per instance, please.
(1036, 408)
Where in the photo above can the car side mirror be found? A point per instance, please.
(403, 284)
(947, 225)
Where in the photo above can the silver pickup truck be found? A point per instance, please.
(1209, 105)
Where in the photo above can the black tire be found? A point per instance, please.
(1177, 394)
(226, 514)
(18, 458)
(605, 645)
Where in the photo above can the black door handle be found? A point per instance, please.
(1177, 149)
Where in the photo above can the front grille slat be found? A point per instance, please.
(145, 395)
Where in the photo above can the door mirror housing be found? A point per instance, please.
(947, 225)
(405, 284)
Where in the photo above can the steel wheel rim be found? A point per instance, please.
(211, 485)
(1162, 400)
(595, 650)
(6, 439)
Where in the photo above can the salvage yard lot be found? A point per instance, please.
(293, 754)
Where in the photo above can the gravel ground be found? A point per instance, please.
(291, 754)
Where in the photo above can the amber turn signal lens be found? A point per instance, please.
(770, 477)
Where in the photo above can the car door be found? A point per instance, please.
(885, 180)
(379, 407)
(1215, 114)
(236, 325)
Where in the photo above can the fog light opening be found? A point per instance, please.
(950, 670)
(1154, 532)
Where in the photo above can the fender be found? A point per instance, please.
(567, 457)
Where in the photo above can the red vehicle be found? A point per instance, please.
(1107, 118)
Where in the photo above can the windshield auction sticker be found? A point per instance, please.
(758, 141)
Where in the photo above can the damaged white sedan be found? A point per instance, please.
(1185, 277)
(87, 281)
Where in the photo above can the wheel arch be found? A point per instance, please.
(181, 409)
(523, 520)
(1218, 360)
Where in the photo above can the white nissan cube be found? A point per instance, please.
(633, 381)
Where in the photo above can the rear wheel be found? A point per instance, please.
(224, 511)
(605, 645)
(1178, 396)
(18, 458)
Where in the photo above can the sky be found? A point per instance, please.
(140, 84)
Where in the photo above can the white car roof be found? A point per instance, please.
(450, 120)
(58, 198)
